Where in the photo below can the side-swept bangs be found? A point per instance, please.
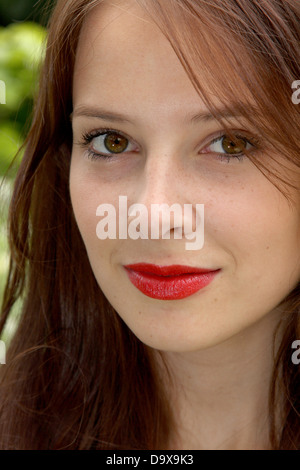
(245, 55)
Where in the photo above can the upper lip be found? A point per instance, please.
(171, 270)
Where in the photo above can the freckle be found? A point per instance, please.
(267, 247)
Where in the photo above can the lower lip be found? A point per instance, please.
(170, 287)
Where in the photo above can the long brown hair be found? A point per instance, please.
(76, 377)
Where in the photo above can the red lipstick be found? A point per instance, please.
(169, 282)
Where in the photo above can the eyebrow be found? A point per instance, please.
(204, 116)
(99, 113)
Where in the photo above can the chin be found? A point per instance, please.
(179, 340)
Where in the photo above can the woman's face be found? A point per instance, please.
(134, 102)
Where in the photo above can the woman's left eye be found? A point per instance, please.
(227, 147)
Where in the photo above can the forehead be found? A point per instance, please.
(121, 52)
(125, 63)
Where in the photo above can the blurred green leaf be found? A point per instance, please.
(10, 142)
(21, 52)
(21, 49)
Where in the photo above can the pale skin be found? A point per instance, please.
(217, 342)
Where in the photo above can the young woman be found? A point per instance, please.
(133, 341)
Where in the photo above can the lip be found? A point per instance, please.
(169, 282)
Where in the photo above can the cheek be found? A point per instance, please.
(259, 231)
(86, 195)
(251, 216)
(84, 208)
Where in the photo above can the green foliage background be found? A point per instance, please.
(21, 48)
(22, 42)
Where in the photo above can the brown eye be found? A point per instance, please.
(234, 147)
(115, 143)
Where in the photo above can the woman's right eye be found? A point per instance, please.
(107, 144)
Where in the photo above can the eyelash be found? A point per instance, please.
(88, 137)
(254, 141)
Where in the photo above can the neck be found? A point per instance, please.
(220, 395)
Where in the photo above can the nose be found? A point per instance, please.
(160, 180)
(161, 200)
